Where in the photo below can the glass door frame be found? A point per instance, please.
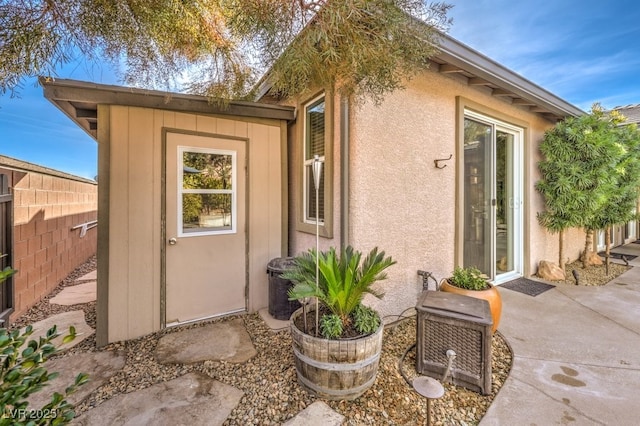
(517, 179)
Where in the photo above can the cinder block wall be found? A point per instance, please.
(46, 205)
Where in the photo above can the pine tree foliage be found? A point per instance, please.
(221, 47)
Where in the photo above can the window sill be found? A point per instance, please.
(310, 228)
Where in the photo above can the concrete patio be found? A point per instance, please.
(575, 355)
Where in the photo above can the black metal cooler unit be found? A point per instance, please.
(448, 321)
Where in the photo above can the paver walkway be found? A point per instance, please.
(193, 399)
(76, 294)
(226, 341)
(84, 291)
(316, 414)
(63, 321)
(89, 276)
(100, 366)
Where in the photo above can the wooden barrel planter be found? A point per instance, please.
(335, 369)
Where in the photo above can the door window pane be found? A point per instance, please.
(206, 212)
(206, 171)
(206, 191)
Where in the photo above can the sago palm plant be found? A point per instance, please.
(342, 280)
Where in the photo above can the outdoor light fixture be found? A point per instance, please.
(429, 388)
(317, 173)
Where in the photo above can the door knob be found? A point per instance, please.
(173, 241)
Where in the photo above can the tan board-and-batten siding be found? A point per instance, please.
(130, 126)
(136, 241)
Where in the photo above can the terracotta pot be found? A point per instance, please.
(335, 369)
(491, 295)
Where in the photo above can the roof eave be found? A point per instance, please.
(65, 93)
(465, 58)
(458, 54)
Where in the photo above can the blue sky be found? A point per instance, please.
(584, 51)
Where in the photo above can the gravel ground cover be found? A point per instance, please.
(268, 380)
(273, 396)
(593, 275)
(44, 309)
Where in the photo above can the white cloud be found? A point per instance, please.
(580, 50)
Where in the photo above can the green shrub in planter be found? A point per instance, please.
(366, 320)
(331, 326)
(469, 278)
(343, 281)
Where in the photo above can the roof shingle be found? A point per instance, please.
(632, 112)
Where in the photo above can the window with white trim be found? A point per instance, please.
(206, 191)
(314, 144)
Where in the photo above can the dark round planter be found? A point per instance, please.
(335, 369)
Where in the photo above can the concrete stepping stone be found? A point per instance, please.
(100, 366)
(93, 275)
(222, 341)
(316, 414)
(193, 399)
(76, 294)
(63, 320)
(272, 323)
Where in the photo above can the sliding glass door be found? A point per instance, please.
(492, 225)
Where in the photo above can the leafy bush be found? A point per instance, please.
(22, 376)
(469, 278)
(342, 282)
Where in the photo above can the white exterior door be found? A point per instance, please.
(205, 219)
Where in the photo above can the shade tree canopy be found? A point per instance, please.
(221, 48)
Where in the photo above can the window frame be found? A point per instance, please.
(307, 174)
(181, 191)
(303, 222)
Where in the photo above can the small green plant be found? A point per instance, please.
(366, 319)
(23, 375)
(469, 278)
(331, 326)
(6, 272)
(342, 282)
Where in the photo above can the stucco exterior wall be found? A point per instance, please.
(46, 249)
(135, 144)
(404, 205)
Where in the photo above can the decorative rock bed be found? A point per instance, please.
(268, 380)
